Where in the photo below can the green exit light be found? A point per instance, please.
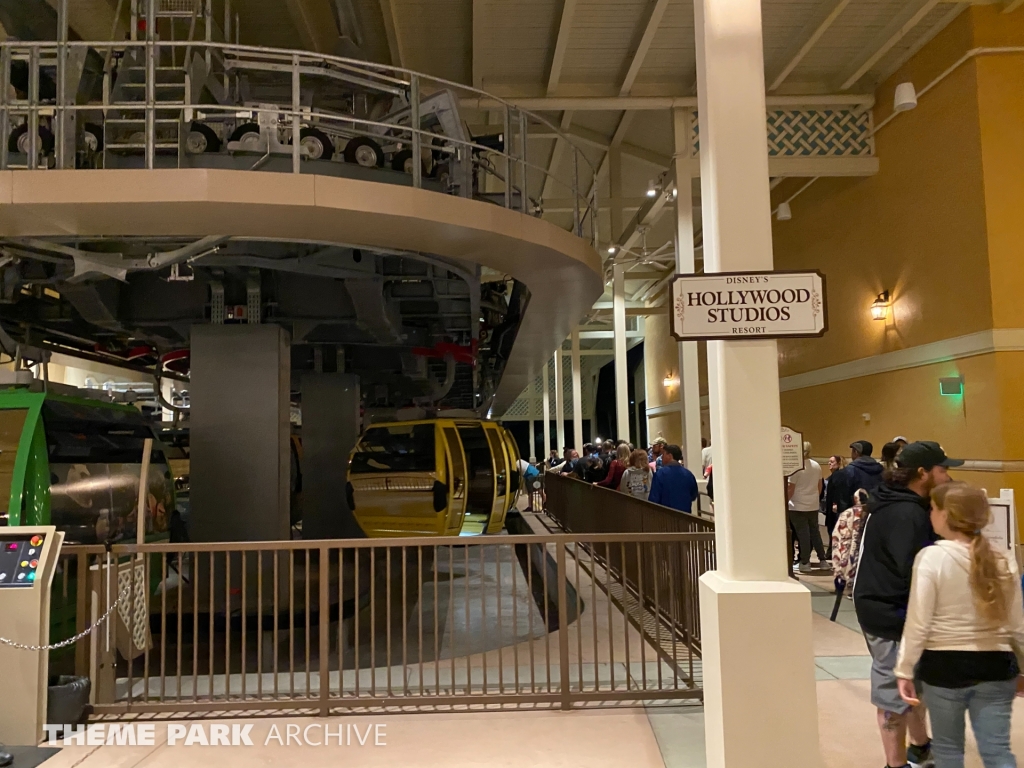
(952, 386)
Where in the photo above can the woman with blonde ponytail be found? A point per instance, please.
(963, 640)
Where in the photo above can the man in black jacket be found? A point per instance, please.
(862, 473)
(897, 527)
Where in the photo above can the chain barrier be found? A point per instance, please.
(76, 638)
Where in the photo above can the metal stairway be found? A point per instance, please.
(168, 88)
(126, 133)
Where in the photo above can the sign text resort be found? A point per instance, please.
(748, 305)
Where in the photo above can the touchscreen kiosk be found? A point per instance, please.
(28, 560)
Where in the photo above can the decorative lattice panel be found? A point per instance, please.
(139, 601)
(812, 133)
(520, 409)
(819, 133)
(530, 404)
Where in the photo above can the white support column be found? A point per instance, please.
(533, 444)
(621, 369)
(560, 402)
(744, 668)
(618, 300)
(546, 404)
(689, 371)
(615, 191)
(577, 394)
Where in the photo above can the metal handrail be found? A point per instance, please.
(297, 63)
(129, 548)
(286, 55)
(328, 624)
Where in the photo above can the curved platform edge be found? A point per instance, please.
(562, 271)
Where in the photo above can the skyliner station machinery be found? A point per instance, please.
(294, 246)
(332, 286)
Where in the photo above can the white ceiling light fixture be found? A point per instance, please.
(612, 249)
(784, 212)
(652, 190)
(905, 98)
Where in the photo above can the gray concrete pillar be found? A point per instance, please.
(240, 460)
(330, 429)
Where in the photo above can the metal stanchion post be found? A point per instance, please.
(414, 123)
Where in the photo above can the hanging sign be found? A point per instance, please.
(792, 451)
(748, 305)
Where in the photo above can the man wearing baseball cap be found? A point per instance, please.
(656, 452)
(896, 529)
(863, 473)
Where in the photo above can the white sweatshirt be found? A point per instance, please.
(942, 615)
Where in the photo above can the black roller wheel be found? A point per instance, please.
(248, 135)
(202, 138)
(92, 136)
(18, 140)
(441, 173)
(402, 161)
(318, 145)
(364, 151)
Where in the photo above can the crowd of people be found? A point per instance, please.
(940, 608)
(657, 474)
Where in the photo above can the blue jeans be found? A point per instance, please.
(989, 704)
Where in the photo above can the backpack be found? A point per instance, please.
(846, 539)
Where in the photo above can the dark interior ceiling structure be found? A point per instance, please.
(591, 67)
(407, 324)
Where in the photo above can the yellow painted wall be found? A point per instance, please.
(983, 425)
(667, 425)
(905, 402)
(1001, 102)
(941, 226)
(916, 229)
(661, 359)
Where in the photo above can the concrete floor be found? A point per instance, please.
(655, 737)
(652, 737)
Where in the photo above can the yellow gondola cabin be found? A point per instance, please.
(437, 477)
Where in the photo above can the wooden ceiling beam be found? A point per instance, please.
(561, 44)
(627, 149)
(478, 46)
(833, 9)
(387, 10)
(654, 103)
(556, 157)
(927, 37)
(646, 38)
(916, 11)
(94, 19)
(314, 21)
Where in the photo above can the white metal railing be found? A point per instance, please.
(152, 115)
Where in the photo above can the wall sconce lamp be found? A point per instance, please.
(669, 381)
(880, 307)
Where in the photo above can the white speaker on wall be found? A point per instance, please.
(905, 98)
